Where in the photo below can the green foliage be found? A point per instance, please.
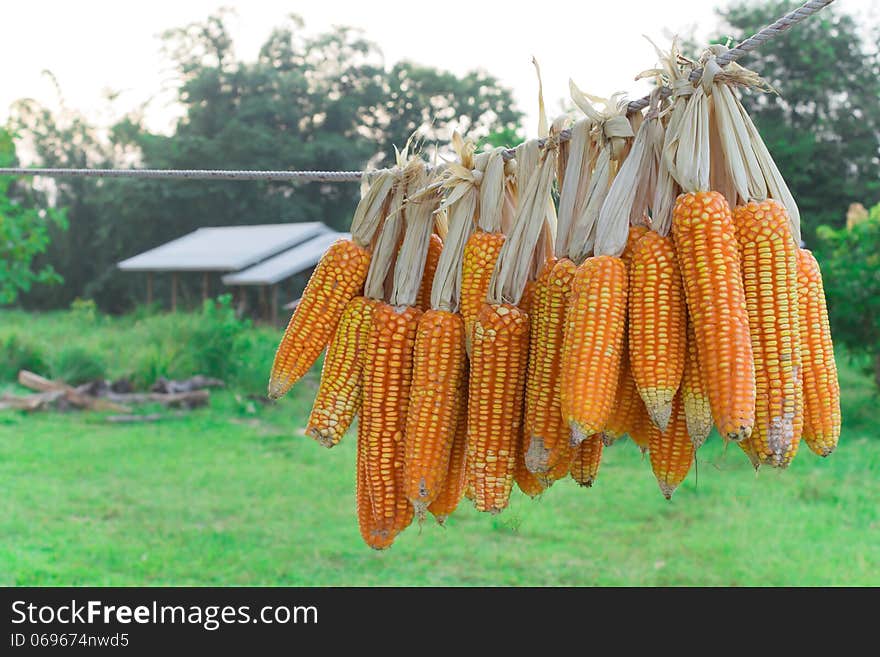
(851, 274)
(324, 101)
(24, 231)
(823, 128)
(216, 499)
(76, 364)
(18, 353)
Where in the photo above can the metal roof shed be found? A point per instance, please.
(284, 265)
(219, 249)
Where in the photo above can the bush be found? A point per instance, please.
(18, 354)
(850, 261)
(76, 365)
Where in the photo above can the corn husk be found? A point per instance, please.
(515, 261)
(610, 136)
(574, 183)
(633, 188)
(492, 193)
(421, 202)
(461, 202)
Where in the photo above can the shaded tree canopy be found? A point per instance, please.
(823, 128)
(308, 101)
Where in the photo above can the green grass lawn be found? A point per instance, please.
(236, 495)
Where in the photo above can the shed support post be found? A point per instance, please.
(149, 288)
(174, 292)
(205, 288)
(274, 293)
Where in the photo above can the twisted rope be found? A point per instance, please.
(786, 22)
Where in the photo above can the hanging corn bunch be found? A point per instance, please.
(501, 339)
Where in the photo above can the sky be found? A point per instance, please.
(98, 46)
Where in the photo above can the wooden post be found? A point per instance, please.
(274, 293)
(174, 292)
(264, 304)
(149, 288)
(204, 286)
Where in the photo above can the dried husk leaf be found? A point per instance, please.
(686, 150)
(465, 190)
(576, 179)
(369, 212)
(632, 188)
(385, 249)
(515, 259)
(418, 210)
(492, 192)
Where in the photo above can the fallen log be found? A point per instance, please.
(70, 394)
(193, 399)
(30, 403)
(197, 382)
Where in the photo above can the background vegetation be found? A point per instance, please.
(234, 494)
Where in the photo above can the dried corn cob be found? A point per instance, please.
(629, 409)
(585, 464)
(456, 474)
(657, 325)
(339, 395)
(820, 384)
(671, 451)
(338, 277)
(480, 255)
(769, 268)
(594, 333)
(433, 405)
(636, 233)
(435, 247)
(373, 531)
(695, 400)
(387, 380)
(708, 257)
(548, 451)
(495, 401)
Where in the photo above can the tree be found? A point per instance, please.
(323, 101)
(24, 231)
(851, 274)
(823, 128)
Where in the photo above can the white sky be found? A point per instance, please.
(93, 46)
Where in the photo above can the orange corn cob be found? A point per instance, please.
(548, 451)
(374, 533)
(708, 257)
(456, 475)
(671, 451)
(478, 262)
(388, 364)
(432, 418)
(495, 402)
(593, 344)
(657, 325)
(339, 395)
(587, 456)
(636, 233)
(697, 414)
(338, 277)
(526, 303)
(628, 406)
(820, 384)
(769, 268)
(642, 429)
(435, 246)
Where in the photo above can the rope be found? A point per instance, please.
(788, 21)
(191, 174)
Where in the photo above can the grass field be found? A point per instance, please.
(235, 495)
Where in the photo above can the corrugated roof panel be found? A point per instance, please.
(284, 265)
(225, 248)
